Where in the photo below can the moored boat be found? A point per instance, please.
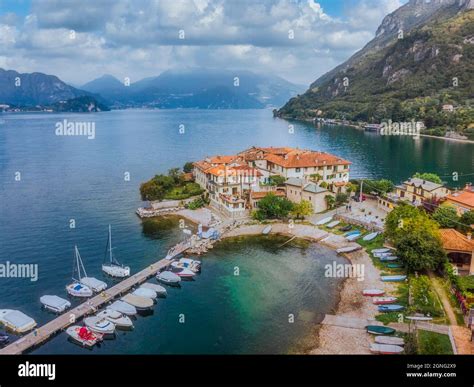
(324, 221)
(373, 292)
(168, 278)
(77, 288)
(184, 273)
(267, 230)
(4, 338)
(187, 263)
(117, 318)
(385, 349)
(389, 340)
(141, 303)
(83, 336)
(144, 292)
(158, 289)
(348, 249)
(123, 307)
(55, 304)
(379, 330)
(16, 321)
(333, 224)
(384, 300)
(382, 250)
(393, 278)
(100, 325)
(390, 308)
(113, 267)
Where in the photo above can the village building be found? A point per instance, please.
(462, 201)
(299, 189)
(460, 250)
(417, 191)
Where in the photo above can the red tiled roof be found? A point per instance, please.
(454, 240)
(302, 159)
(464, 198)
(262, 194)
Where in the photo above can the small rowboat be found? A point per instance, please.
(267, 230)
(379, 330)
(348, 249)
(345, 228)
(393, 278)
(333, 224)
(383, 300)
(394, 265)
(324, 221)
(419, 318)
(388, 259)
(381, 255)
(386, 349)
(389, 340)
(370, 236)
(84, 336)
(373, 292)
(378, 251)
(390, 308)
(353, 237)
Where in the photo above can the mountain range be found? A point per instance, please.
(420, 63)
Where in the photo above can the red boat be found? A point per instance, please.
(384, 300)
(373, 292)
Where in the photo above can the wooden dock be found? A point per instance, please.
(92, 305)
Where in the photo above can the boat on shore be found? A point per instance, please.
(390, 308)
(100, 325)
(393, 278)
(390, 258)
(16, 321)
(345, 228)
(333, 224)
(381, 255)
(378, 251)
(113, 267)
(324, 221)
(140, 303)
(55, 304)
(373, 292)
(385, 349)
(389, 340)
(168, 278)
(353, 236)
(123, 307)
(394, 265)
(370, 236)
(419, 318)
(267, 230)
(384, 300)
(348, 249)
(83, 336)
(158, 289)
(117, 318)
(379, 330)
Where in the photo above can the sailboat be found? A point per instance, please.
(113, 267)
(77, 289)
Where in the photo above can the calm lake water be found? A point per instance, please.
(64, 178)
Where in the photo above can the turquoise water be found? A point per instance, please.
(64, 178)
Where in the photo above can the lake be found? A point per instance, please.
(49, 182)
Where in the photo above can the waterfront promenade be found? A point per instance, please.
(90, 306)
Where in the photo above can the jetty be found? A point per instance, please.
(92, 305)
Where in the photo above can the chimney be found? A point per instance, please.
(469, 236)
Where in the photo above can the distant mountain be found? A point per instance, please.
(198, 88)
(34, 89)
(403, 77)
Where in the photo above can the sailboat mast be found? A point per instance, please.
(77, 262)
(79, 259)
(110, 244)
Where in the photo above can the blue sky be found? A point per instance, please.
(80, 40)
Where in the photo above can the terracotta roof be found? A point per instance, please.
(220, 159)
(454, 240)
(262, 194)
(305, 158)
(465, 198)
(238, 170)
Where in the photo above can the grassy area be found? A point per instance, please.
(185, 191)
(431, 343)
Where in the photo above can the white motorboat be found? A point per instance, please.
(324, 221)
(168, 278)
(77, 288)
(94, 284)
(113, 267)
(139, 302)
(389, 340)
(419, 318)
(381, 255)
(123, 307)
(158, 289)
(55, 304)
(83, 336)
(184, 273)
(100, 325)
(187, 263)
(145, 292)
(16, 321)
(370, 236)
(117, 318)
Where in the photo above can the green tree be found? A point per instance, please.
(467, 220)
(276, 180)
(302, 209)
(446, 217)
(188, 167)
(416, 237)
(433, 177)
(341, 198)
(175, 174)
(273, 207)
(330, 201)
(152, 191)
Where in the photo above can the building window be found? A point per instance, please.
(298, 170)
